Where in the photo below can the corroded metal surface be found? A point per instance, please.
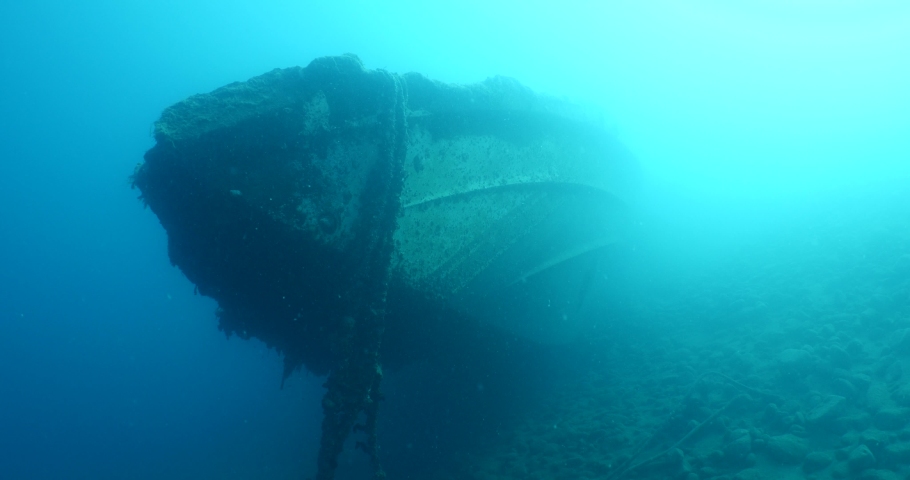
(302, 199)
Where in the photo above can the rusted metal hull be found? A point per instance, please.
(508, 200)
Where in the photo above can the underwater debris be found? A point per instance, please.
(324, 206)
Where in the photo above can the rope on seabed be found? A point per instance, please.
(623, 469)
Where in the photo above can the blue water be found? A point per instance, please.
(747, 120)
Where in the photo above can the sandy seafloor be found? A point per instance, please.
(787, 358)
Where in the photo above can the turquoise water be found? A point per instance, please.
(771, 246)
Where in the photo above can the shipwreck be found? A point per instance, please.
(354, 219)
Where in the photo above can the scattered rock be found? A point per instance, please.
(858, 422)
(750, 460)
(860, 459)
(900, 342)
(843, 388)
(708, 472)
(861, 381)
(838, 357)
(826, 411)
(880, 475)
(875, 440)
(877, 396)
(902, 395)
(855, 347)
(714, 457)
(599, 467)
(773, 416)
(795, 361)
(893, 418)
(840, 470)
(816, 461)
(754, 474)
(841, 454)
(894, 454)
(787, 448)
(744, 363)
(894, 371)
(739, 446)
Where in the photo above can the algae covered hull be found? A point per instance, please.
(265, 189)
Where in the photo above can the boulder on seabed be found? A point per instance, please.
(816, 461)
(826, 411)
(796, 361)
(893, 418)
(786, 449)
(740, 445)
(860, 459)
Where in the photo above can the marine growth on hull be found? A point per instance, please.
(355, 218)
